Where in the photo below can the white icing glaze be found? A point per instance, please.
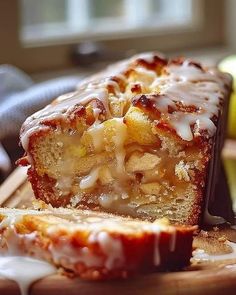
(96, 131)
(96, 113)
(200, 255)
(121, 77)
(106, 220)
(106, 201)
(119, 140)
(24, 270)
(109, 82)
(26, 136)
(156, 228)
(14, 263)
(5, 162)
(156, 258)
(90, 180)
(12, 216)
(66, 255)
(10, 220)
(185, 83)
(173, 240)
(111, 247)
(100, 227)
(177, 86)
(144, 75)
(190, 86)
(60, 110)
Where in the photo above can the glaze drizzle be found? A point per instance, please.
(193, 94)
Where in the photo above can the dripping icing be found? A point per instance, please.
(14, 264)
(184, 82)
(90, 180)
(200, 255)
(24, 270)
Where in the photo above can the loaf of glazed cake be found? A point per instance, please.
(94, 245)
(142, 138)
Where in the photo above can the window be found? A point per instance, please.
(39, 35)
(49, 20)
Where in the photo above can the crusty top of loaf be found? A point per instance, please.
(180, 95)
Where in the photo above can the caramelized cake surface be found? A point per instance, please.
(94, 245)
(137, 139)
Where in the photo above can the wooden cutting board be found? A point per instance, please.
(199, 278)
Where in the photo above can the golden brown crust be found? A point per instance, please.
(169, 110)
(149, 248)
(72, 106)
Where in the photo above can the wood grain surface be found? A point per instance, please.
(199, 278)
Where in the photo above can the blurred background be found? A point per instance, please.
(48, 46)
(50, 35)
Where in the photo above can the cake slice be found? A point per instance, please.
(94, 245)
(142, 138)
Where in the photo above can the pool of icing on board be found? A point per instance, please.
(24, 270)
(200, 255)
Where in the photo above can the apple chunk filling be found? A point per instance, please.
(150, 179)
(116, 168)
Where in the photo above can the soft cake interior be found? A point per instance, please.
(122, 165)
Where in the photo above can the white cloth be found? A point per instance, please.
(21, 97)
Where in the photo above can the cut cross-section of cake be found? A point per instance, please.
(94, 245)
(142, 138)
